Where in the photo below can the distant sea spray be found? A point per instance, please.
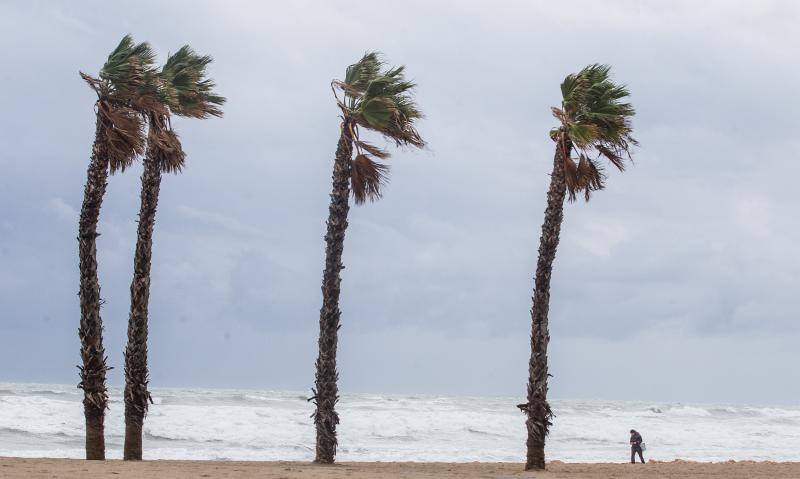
(47, 421)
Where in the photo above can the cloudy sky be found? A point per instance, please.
(677, 283)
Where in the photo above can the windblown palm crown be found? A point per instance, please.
(186, 89)
(597, 123)
(121, 92)
(180, 88)
(380, 101)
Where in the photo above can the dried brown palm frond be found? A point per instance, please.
(582, 175)
(95, 84)
(615, 154)
(367, 177)
(372, 149)
(150, 103)
(589, 177)
(571, 176)
(124, 133)
(165, 148)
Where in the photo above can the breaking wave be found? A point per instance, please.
(47, 420)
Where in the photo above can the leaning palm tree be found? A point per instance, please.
(595, 123)
(119, 138)
(181, 88)
(377, 99)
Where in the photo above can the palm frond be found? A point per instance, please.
(129, 67)
(186, 89)
(594, 117)
(100, 87)
(360, 74)
(372, 149)
(590, 176)
(583, 135)
(582, 175)
(164, 146)
(367, 177)
(381, 100)
(123, 131)
(375, 113)
(122, 81)
(613, 154)
(402, 129)
(571, 177)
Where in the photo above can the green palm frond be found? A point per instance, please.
(596, 121)
(186, 89)
(359, 75)
(592, 107)
(183, 89)
(129, 67)
(381, 100)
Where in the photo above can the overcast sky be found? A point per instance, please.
(680, 282)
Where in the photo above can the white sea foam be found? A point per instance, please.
(47, 420)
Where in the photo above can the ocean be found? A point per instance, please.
(47, 421)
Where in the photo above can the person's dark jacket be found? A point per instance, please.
(636, 439)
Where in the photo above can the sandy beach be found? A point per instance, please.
(13, 468)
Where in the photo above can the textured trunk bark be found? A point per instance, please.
(133, 439)
(90, 332)
(137, 397)
(537, 408)
(95, 440)
(326, 392)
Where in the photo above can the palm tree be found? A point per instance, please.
(594, 124)
(119, 138)
(181, 88)
(375, 99)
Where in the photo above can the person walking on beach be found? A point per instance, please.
(636, 446)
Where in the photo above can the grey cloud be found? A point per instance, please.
(689, 250)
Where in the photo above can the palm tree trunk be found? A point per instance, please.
(137, 396)
(93, 354)
(326, 392)
(537, 408)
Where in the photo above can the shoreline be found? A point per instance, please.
(40, 468)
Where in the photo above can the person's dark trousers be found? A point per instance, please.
(634, 450)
